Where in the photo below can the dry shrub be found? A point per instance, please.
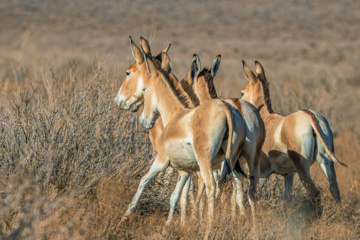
(70, 161)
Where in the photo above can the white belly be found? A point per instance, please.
(181, 155)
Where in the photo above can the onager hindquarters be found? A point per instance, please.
(191, 141)
(293, 142)
(203, 85)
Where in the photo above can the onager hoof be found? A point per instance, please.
(166, 230)
(124, 218)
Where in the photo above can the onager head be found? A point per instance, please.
(130, 95)
(150, 111)
(203, 81)
(257, 90)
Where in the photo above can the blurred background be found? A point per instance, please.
(55, 54)
(300, 43)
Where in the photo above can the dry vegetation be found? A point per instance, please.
(70, 161)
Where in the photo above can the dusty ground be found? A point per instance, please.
(70, 161)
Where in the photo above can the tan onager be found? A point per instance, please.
(293, 142)
(156, 131)
(203, 85)
(196, 139)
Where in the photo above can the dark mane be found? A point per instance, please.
(156, 60)
(178, 91)
(209, 81)
(190, 91)
(266, 90)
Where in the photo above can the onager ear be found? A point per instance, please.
(167, 49)
(249, 74)
(216, 66)
(194, 71)
(260, 70)
(150, 66)
(145, 45)
(137, 54)
(165, 62)
(198, 63)
(159, 56)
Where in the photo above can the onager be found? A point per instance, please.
(156, 131)
(293, 142)
(203, 84)
(191, 140)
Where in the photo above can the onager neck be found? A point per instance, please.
(206, 91)
(171, 99)
(263, 102)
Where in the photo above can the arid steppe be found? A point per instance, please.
(70, 160)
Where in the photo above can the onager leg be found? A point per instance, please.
(302, 165)
(204, 161)
(216, 179)
(239, 193)
(199, 206)
(183, 201)
(183, 177)
(254, 171)
(289, 180)
(159, 165)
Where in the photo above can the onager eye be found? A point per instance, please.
(242, 93)
(128, 74)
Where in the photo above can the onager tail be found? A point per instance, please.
(316, 128)
(228, 157)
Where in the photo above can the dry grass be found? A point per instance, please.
(70, 161)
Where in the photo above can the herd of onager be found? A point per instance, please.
(193, 130)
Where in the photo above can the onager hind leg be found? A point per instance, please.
(183, 201)
(302, 166)
(289, 180)
(159, 165)
(199, 205)
(238, 194)
(175, 196)
(254, 171)
(204, 161)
